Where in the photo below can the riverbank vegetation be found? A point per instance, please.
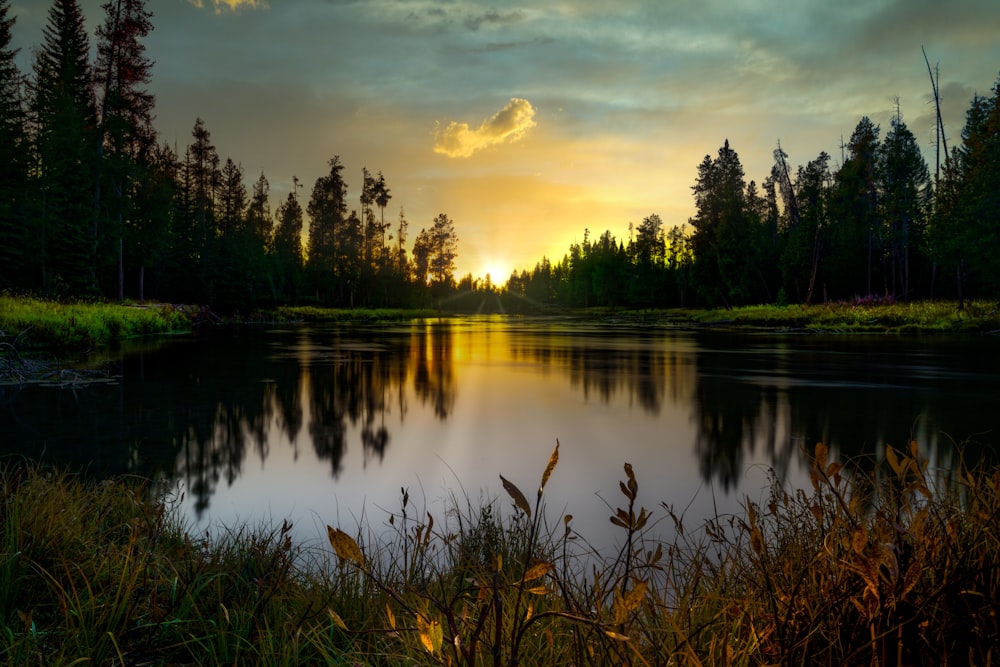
(39, 323)
(860, 317)
(29, 325)
(94, 204)
(893, 563)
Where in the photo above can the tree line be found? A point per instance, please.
(92, 204)
(879, 226)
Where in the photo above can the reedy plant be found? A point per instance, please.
(476, 606)
(899, 565)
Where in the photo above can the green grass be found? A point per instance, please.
(861, 317)
(36, 323)
(318, 314)
(896, 565)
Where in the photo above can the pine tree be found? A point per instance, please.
(723, 240)
(856, 230)
(966, 234)
(65, 119)
(288, 246)
(13, 166)
(126, 144)
(905, 184)
(329, 248)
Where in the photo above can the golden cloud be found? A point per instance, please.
(232, 5)
(508, 124)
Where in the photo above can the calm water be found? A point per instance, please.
(327, 424)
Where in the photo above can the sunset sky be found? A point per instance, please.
(528, 122)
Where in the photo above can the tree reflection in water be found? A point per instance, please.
(197, 410)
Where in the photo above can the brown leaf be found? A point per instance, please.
(537, 570)
(345, 546)
(892, 459)
(821, 455)
(757, 541)
(515, 493)
(553, 460)
(859, 541)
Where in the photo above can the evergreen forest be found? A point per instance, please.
(94, 205)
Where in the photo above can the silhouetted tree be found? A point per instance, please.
(65, 120)
(434, 252)
(966, 233)
(905, 186)
(126, 140)
(194, 225)
(327, 211)
(802, 253)
(855, 229)
(723, 240)
(288, 247)
(14, 236)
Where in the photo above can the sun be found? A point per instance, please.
(497, 269)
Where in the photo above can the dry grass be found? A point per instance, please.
(895, 566)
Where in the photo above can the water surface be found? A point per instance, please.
(326, 424)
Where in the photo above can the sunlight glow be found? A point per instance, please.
(497, 269)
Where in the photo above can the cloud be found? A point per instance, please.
(508, 124)
(232, 5)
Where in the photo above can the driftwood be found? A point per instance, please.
(16, 369)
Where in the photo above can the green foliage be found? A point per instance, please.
(81, 326)
(863, 316)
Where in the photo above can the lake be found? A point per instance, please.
(327, 424)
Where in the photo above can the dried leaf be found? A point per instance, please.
(817, 511)
(911, 577)
(553, 460)
(390, 616)
(757, 541)
(859, 541)
(515, 493)
(614, 635)
(345, 546)
(892, 459)
(821, 455)
(618, 522)
(633, 599)
(538, 590)
(625, 491)
(633, 486)
(337, 620)
(537, 570)
(431, 633)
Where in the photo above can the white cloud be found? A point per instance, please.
(508, 124)
(232, 5)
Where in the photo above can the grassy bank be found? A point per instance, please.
(317, 314)
(898, 566)
(80, 326)
(861, 317)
